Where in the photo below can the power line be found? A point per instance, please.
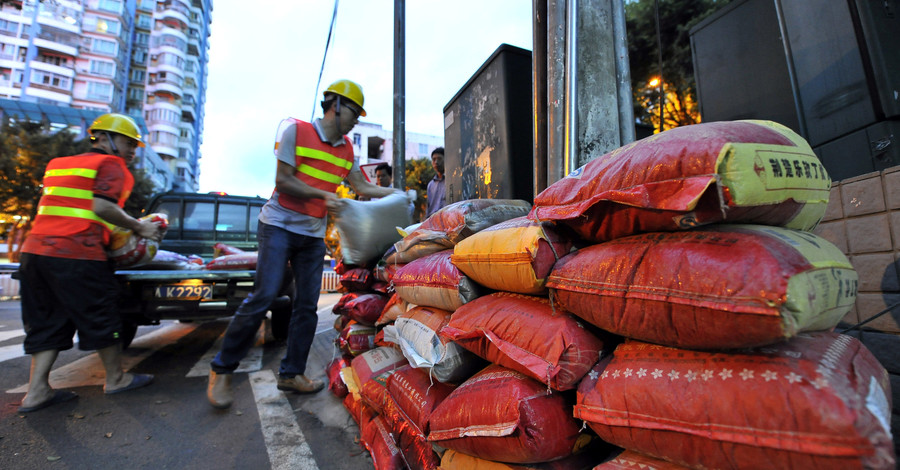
(324, 56)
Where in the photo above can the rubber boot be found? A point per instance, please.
(219, 391)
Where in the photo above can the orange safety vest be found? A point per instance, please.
(318, 164)
(66, 206)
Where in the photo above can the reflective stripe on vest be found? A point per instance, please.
(307, 152)
(84, 172)
(73, 212)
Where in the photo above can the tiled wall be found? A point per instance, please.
(863, 220)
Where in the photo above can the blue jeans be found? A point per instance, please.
(277, 247)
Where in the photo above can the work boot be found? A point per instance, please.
(219, 390)
(300, 384)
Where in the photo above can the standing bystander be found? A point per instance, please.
(436, 196)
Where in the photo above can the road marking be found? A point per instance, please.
(6, 335)
(252, 361)
(11, 352)
(285, 442)
(89, 370)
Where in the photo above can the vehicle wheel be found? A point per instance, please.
(281, 320)
(127, 334)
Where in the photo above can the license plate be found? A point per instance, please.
(183, 292)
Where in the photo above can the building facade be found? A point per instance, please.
(145, 58)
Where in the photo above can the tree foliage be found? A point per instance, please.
(676, 18)
(418, 173)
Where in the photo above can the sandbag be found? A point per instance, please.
(416, 395)
(336, 383)
(222, 249)
(385, 271)
(453, 460)
(416, 334)
(716, 287)
(417, 452)
(512, 256)
(500, 414)
(366, 308)
(738, 172)
(435, 282)
(245, 260)
(169, 260)
(392, 309)
(356, 338)
(130, 250)
(357, 279)
(630, 460)
(374, 391)
(452, 223)
(819, 401)
(375, 435)
(525, 334)
(367, 228)
(376, 362)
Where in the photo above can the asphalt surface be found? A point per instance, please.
(169, 424)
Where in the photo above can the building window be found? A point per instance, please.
(136, 94)
(99, 67)
(357, 140)
(7, 51)
(9, 26)
(144, 22)
(39, 77)
(137, 75)
(423, 149)
(142, 39)
(99, 91)
(103, 46)
(112, 6)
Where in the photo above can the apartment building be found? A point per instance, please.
(145, 58)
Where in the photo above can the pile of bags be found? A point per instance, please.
(664, 306)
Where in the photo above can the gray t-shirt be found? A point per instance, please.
(274, 213)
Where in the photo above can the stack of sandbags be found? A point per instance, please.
(699, 251)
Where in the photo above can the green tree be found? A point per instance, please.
(418, 173)
(676, 18)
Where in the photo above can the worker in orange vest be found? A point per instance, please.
(313, 159)
(67, 282)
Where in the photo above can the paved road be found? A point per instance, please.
(169, 424)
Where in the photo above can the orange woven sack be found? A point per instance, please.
(715, 287)
(819, 401)
(739, 172)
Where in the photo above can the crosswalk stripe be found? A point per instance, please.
(285, 442)
(5, 335)
(89, 369)
(252, 361)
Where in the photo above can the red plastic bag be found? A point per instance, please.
(357, 279)
(524, 333)
(717, 287)
(739, 172)
(366, 308)
(820, 400)
(500, 414)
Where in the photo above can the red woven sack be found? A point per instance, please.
(819, 401)
(333, 371)
(416, 395)
(366, 308)
(356, 339)
(417, 452)
(524, 333)
(434, 281)
(500, 414)
(740, 172)
(629, 460)
(246, 260)
(454, 222)
(375, 391)
(376, 362)
(716, 287)
(376, 437)
(357, 279)
(340, 307)
(221, 249)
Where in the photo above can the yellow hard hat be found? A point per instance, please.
(118, 123)
(350, 90)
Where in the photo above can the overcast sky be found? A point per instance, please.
(265, 58)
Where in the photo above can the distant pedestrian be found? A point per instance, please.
(384, 176)
(436, 196)
(67, 282)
